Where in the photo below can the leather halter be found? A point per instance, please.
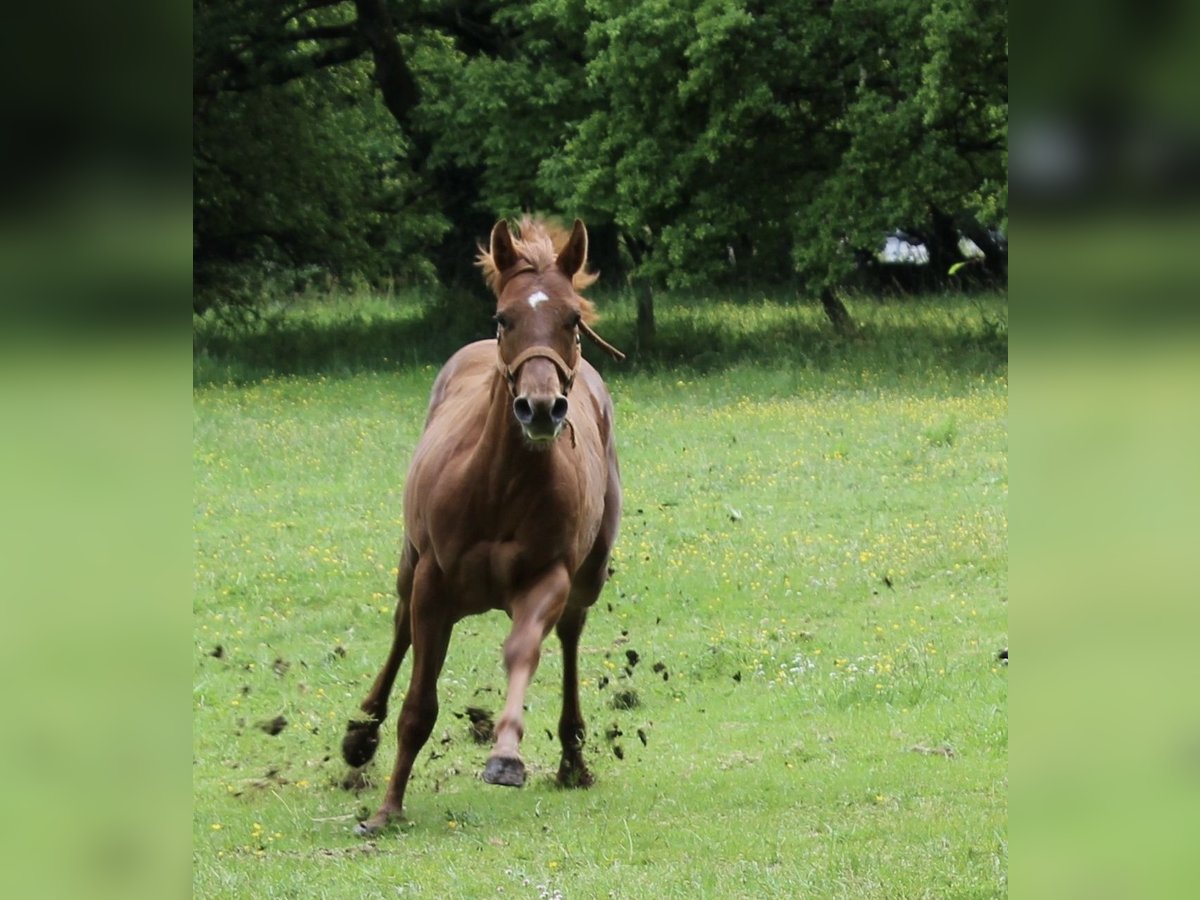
(509, 369)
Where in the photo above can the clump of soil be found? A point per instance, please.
(627, 699)
(482, 727)
(357, 780)
(273, 726)
(945, 750)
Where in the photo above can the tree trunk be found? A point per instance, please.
(837, 313)
(995, 256)
(941, 241)
(397, 85)
(643, 290)
(645, 313)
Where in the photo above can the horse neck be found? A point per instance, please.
(502, 448)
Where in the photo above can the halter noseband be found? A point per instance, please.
(509, 369)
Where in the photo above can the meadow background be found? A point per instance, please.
(792, 682)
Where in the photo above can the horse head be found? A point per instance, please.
(540, 318)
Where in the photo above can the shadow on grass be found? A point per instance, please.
(304, 347)
(947, 333)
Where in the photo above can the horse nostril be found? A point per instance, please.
(558, 411)
(523, 410)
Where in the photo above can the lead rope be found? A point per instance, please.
(601, 342)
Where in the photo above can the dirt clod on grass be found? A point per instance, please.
(482, 727)
(627, 699)
(357, 780)
(273, 726)
(944, 750)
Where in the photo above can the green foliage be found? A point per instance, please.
(923, 126)
(729, 141)
(500, 113)
(737, 139)
(307, 181)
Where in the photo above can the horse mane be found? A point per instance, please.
(539, 243)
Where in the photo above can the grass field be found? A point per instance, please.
(812, 578)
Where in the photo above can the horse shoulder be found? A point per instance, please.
(464, 375)
(458, 406)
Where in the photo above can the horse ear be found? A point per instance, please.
(573, 256)
(504, 255)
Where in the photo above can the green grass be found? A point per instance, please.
(351, 335)
(812, 572)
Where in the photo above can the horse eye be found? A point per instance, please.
(501, 320)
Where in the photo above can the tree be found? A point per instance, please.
(920, 140)
(783, 140)
(750, 141)
(296, 168)
(296, 162)
(299, 179)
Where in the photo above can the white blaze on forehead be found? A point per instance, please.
(537, 297)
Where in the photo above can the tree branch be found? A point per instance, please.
(303, 8)
(236, 74)
(320, 33)
(397, 84)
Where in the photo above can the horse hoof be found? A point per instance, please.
(505, 771)
(359, 743)
(373, 825)
(574, 776)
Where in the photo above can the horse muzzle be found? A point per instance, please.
(542, 418)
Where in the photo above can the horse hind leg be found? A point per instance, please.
(588, 583)
(362, 735)
(572, 770)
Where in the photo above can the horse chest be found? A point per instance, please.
(492, 536)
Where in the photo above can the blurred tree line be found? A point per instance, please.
(705, 143)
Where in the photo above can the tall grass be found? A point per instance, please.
(362, 333)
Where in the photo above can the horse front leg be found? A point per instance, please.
(431, 627)
(534, 614)
(572, 771)
(362, 736)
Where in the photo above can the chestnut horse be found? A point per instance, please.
(512, 502)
